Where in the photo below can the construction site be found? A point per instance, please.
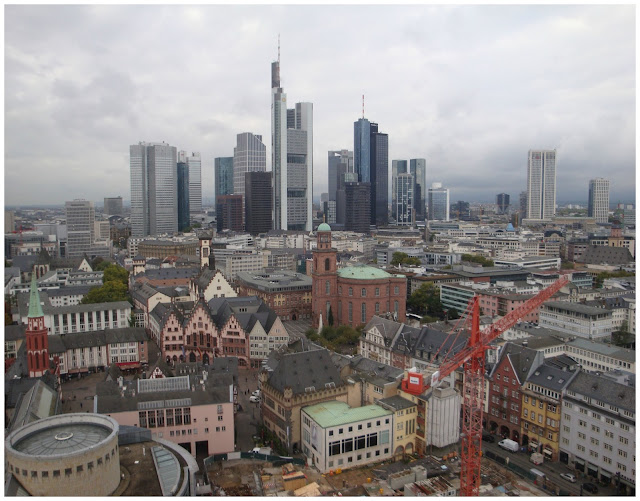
(426, 476)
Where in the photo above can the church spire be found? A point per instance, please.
(35, 310)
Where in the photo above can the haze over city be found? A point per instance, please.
(469, 88)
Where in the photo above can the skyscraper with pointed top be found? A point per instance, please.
(292, 158)
(36, 334)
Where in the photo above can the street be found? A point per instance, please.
(297, 328)
(248, 418)
(551, 470)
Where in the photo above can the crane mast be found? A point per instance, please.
(472, 358)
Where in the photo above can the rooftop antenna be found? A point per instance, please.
(278, 48)
(362, 105)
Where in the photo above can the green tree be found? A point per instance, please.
(101, 266)
(116, 273)
(567, 265)
(404, 258)
(452, 314)
(426, 300)
(398, 257)
(601, 277)
(477, 259)
(107, 293)
(330, 316)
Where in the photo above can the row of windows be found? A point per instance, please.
(67, 472)
(368, 455)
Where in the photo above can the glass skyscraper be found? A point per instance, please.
(418, 169)
(183, 196)
(371, 163)
(223, 167)
(438, 203)
(541, 184)
(154, 189)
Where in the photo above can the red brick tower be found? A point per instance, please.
(36, 335)
(325, 278)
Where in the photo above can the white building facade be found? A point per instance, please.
(599, 199)
(541, 184)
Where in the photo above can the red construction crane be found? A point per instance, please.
(472, 357)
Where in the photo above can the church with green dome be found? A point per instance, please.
(354, 294)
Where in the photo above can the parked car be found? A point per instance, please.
(570, 477)
(487, 437)
(589, 487)
(510, 445)
(254, 399)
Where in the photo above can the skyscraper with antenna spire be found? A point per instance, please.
(292, 158)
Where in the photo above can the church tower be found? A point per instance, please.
(36, 335)
(325, 278)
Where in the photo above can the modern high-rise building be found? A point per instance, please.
(541, 184)
(523, 205)
(340, 162)
(183, 196)
(194, 164)
(438, 203)
(223, 167)
(229, 213)
(249, 155)
(154, 189)
(292, 159)
(81, 217)
(113, 206)
(258, 193)
(418, 169)
(371, 163)
(599, 199)
(502, 201)
(403, 194)
(397, 167)
(357, 208)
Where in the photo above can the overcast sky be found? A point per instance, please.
(469, 88)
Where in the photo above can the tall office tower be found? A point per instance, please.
(418, 169)
(461, 210)
(438, 203)
(371, 163)
(223, 167)
(154, 189)
(258, 193)
(113, 206)
(249, 155)
(397, 167)
(523, 205)
(9, 221)
(81, 216)
(300, 167)
(403, 187)
(184, 200)
(541, 184)
(599, 199)
(340, 162)
(502, 201)
(229, 213)
(292, 159)
(358, 210)
(194, 164)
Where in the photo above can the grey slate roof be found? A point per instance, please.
(599, 254)
(396, 402)
(605, 390)
(551, 377)
(14, 332)
(574, 307)
(523, 359)
(303, 370)
(111, 400)
(387, 328)
(39, 402)
(73, 290)
(170, 273)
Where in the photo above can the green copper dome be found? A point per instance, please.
(35, 310)
(324, 227)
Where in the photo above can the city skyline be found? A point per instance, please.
(544, 77)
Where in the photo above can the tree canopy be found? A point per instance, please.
(115, 285)
(426, 301)
(404, 258)
(477, 259)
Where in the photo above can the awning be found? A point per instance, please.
(605, 474)
(533, 444)
(548, 452)
(579, 461)
(128, 364)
